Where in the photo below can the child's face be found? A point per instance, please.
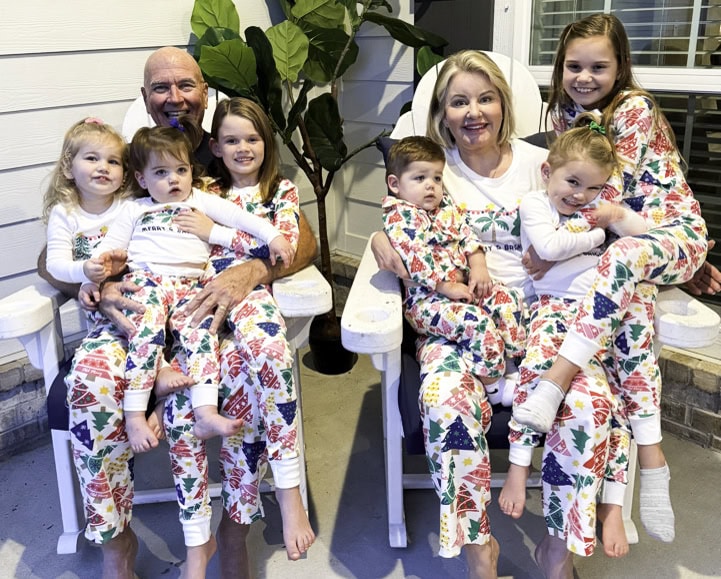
(97, 170)
(241, 148)
(166, 178)
(589, 70)
(420, 183)
(574, 184)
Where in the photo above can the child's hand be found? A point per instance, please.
(607, 213)
(195, 222)
(114, 261)
(95, 270)
(480, 283)
(456, 291)
(89, 296)
(281, 248)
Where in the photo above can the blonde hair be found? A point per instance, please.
(586, 141)
(474, 62)
(269, 176)
(62, 189)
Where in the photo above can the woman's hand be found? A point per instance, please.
(535, 266)
(113, 303)
(225, 292)
(387, 258)
(707, 280)
(195, 222)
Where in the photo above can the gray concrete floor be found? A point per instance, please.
(347, 505)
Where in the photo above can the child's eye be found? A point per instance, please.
(599, 67)
(573, 67)
(183, 170)
(438, 179)
(420, 178)
(231, 141)
(160, 172)
(90, 158)
(572, 182)
(114, 162)
(253, 140)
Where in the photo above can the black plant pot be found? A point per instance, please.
(327, 352)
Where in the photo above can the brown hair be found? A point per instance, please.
(178, 141)
(409, 150)
(61, 188)
(475, 62)
(269, 176)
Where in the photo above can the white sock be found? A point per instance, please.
(540, 408)
(495, 391)
(656, 512)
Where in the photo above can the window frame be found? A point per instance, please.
(512, 37)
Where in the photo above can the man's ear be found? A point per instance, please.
(393, 184)
(145, 97)
(545, 171)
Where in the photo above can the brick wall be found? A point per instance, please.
(23, 416)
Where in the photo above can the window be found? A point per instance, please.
(676, 51)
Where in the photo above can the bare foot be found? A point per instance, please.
(208, 423)
(155, 420)
(169, 380)
(140, 434)
(234, 562)
(482, 560)
(298, 535)
(119, 556)
(554, 559)
(197, 562)
(613, 534)
(513, 494)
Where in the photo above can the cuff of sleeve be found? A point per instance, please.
(613, 493)
(220, 235)
(136, 400)
(520, 455)
(204, 395)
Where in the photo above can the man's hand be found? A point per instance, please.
(387, 258)
(535, 266)
(89, 296)
(707, 280)
(113, 303)
(225, 292)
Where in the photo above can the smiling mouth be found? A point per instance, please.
(175, 114)
(583, 89)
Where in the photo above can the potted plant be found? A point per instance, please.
(313, 47)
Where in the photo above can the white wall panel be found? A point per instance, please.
(58, 80)
(22, 193)
(21, 245)
(35, 137)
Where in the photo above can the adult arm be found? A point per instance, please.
(707, 280)
(232, 286)
(386, 257)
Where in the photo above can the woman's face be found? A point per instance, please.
(473, 112)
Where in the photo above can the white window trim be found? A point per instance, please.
(512, 37)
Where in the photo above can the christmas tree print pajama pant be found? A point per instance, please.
(164, 298)
(456, 414)
(486, 333)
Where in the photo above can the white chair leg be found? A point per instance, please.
(70, 505)
(390, 367)
(300, 433)
(628, 524)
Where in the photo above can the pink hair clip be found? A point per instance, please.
(94, 121)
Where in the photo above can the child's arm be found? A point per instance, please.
(59, 257)
(552, 243)
(479, 280)
(621, 220)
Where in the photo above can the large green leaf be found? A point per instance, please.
(296, 111)
(426, 59)
(406, 33)
(213, 14)
(324, 52)
(233, 62)
(290, 49)
(270, 91)
(325, 131)
(213, 37)
(325, 13)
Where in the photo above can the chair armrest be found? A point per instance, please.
(372, 321)
(684, 322)
(305, 293)
(29, 310)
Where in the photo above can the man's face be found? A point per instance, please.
(173, 87)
